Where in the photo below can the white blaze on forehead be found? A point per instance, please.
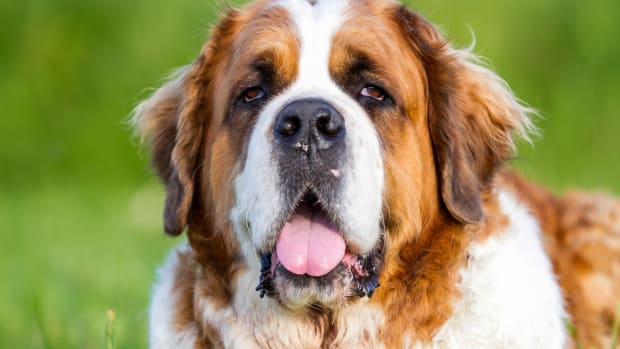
(316, 24)
(258, 195)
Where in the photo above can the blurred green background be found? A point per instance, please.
(79, 208)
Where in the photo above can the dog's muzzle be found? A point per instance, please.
(309, 145)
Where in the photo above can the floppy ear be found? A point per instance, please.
(173, 120)
(158, 120)
(472, 116)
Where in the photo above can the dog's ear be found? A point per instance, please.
(173, 121)
(159, 119)
(472, 117)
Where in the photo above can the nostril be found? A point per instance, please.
(288, 126)
(327, 124)
(309, 124)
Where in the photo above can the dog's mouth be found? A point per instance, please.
(311, 255)
(309, 242)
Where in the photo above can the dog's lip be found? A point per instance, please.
(310, 198)
(351, 261)
(361, 267)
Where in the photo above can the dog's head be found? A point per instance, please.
(312, 139)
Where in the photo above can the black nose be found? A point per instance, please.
(308, 123)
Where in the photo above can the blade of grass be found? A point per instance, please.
(615, 328)
(109, 330)
(38, 315)
(573, 333)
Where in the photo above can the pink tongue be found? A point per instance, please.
(310, 244)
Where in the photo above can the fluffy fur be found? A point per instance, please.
(468, 255)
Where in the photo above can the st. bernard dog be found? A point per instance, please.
(337, 166)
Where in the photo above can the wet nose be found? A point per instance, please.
(309, 123)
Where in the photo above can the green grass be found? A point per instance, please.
(615, 329)
(70, 255)
(80, 227)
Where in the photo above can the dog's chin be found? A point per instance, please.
(301, 292)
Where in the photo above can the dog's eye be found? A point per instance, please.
(373, 92)
(252, 94)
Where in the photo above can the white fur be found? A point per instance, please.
(258, 197)
(359, 326)
(510, 296)
(163, 334)
(250, 322)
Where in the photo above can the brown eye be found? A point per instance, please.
(373, 92)
(253, 94)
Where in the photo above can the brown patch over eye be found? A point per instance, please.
(373, 92)
(253, 94)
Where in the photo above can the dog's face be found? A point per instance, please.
(317, 138)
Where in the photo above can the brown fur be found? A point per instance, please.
(587, 260)
(442, 149)
(582, 237)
